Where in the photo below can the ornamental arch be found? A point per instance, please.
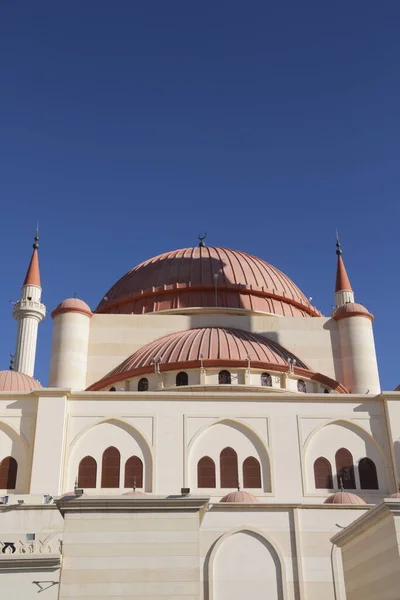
(94, 440)
(211, 440)
(337, 438)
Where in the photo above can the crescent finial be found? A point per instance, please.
(201, 239)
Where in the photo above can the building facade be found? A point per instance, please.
(206, 434)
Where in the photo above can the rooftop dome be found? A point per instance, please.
(219, 347)
(134, 494)
(185, 279)
(13, 381)
(344, 498)
(238, 496)
(352, 309)
(72, 305)
(396, 495)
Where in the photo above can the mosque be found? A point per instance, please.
(206, 434)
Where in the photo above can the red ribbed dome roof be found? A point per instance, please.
(13, 381)
(72, 305)
(219, 347)
(352, 309)
(344, 498)
(185, 279)
(240, 497)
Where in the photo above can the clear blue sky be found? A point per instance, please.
(129, 127)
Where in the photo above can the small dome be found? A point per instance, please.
(134, 494)
(396, 495)
(72, 305)
(344, 498)
(13, 381)
(397, 389)
(240, 497)
(352, 309)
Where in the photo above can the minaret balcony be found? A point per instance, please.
(24, 307)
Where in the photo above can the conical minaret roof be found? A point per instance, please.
(342, 279)
(32, 276)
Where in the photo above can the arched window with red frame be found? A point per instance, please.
(206, 473)
(251, 473)
(87, 473)
(110, 468)
(323, 474)
(345, 469)
(228, 462)
(133, 472)
(8, 473)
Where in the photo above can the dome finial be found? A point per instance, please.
(36, 242)
(134, 484)
(338, 247)
(201, 240)
(341, 485)
(12, 362)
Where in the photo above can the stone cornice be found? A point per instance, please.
(380, 511)
(84, 503)
(29, 562)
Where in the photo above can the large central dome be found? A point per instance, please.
(206, 277)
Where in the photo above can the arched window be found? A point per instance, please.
(87, 472)
(206, 473)
(110, 468)
(8, 473)
(368, 474)
(182, 378)
(251, 473)
(323, 474)
(133, 472)
(326, 391)
(112, 389)
(345, 469)
(143, 385)
(266, 380)
(228, 463)
(301, 386)
(224, 377)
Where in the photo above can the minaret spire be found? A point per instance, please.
(29, 312)
(343, 290)
(32, 276)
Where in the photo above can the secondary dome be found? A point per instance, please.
(219, 346)
(239, 496)
(344, 498)
(13, 381)
(203, 277)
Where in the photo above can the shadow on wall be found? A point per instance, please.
(397, 457)
(332, 327)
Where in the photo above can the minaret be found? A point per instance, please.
(29, 312)
(356, 337)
